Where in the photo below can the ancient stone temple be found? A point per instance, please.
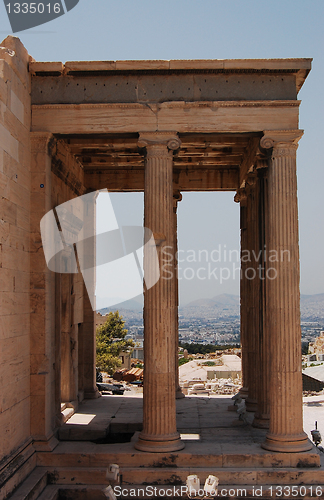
(162, 127)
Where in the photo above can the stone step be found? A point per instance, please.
(51, 492)
(76, 432)
(171, 492)
(78, 454)
(178, 476)
(226, 476)
(77, 476)
(74, 492)
(33, 486)
(73, 432)
(226, 491)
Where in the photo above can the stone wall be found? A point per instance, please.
(15, 119)
(56, 299)
(37, 173)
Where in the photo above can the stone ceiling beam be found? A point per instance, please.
(124, 180)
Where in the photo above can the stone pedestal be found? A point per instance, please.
(159, 406)
(283, 299)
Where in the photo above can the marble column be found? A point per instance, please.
(88, 327)
(177, 196)
(262, 415)
(283, 298)
(88, 332)
(159, 406)
(58, 326)
(67, 389)
(251, 279)
(241, 198)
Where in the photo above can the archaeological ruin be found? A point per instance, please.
(162, 128)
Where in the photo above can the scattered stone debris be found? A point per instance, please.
(312, 393)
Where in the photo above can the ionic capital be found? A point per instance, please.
(282, 142)
(159, 143)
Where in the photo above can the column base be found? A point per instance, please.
(251, 405)
(287, 444)
(261, 421)
(159, 444)
(244, 392)
(92, 394)
(48, 444)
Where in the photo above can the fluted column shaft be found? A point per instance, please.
(241, 198)
(252, 292)
(159, 418)
(283, 298)
(176, 198)
(262, 416)
(88, 327)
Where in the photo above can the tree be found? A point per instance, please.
(205, 348)
(305, 347)
(111, 342)
(183, 361)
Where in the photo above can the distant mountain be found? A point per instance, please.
(131, 305)
(312, 299)
(220, 301)
(202, 303)
(311, 306)
(227, 299)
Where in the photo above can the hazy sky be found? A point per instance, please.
(207, 29)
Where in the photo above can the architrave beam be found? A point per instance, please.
(184, 117)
